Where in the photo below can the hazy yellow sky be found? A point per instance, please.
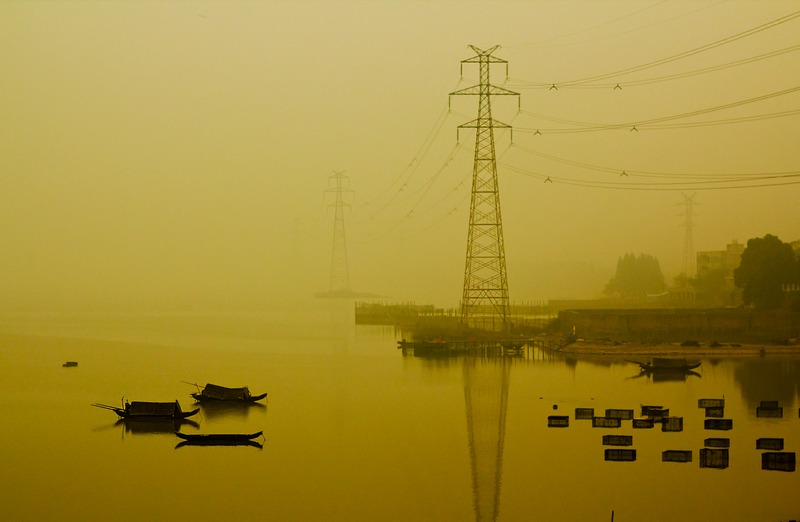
(175, 153)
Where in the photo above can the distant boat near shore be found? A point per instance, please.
(666, 365)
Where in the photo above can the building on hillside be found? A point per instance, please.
(722, 263)
(726, 260)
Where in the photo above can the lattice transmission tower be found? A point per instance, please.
(689, 258)
(338, 185)
(484, 302)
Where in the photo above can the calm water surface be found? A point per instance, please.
(356, 431)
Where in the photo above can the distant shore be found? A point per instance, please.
(613, 348)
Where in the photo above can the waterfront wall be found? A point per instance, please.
(673, 325)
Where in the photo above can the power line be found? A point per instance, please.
(523, 84)
(697, 50)
(645, 173)
(652, 122)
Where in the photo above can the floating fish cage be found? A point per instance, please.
(676, 456)
(718, 424)
(714, 458)
(643, 424)
(647, 410)
(619, 414)
(716, 413)
(672, 424)
(778, 461)
(769, 444)
(617, 440)
(584, 413)
(717, 443)
(710, 403)
(769, 412)
(558, 421)
(606, 422)
(620, 455)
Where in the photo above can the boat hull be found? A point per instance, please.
(199, 397)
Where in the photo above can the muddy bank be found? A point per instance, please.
(613, 348)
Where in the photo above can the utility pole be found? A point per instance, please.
(340, 276)
(689, 259)
(485, 303)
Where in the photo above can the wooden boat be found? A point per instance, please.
(665, 365)
(70, 364)
(139, 410)
(219, 438)
(214, 392)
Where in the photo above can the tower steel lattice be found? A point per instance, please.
(340, 276)
(689, 258)
(485, 303)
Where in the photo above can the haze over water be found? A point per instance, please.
(354, 430)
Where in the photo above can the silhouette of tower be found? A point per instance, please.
(689, 259)
(484, 302)
(486, 397)
(340, 276)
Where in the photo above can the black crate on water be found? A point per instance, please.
(717, 443)
(718, 424)
(620, 455)
(772, 444)
(606, 422)
(672, 424)
(714, 458)
(778, 461)
(617, 440)
(676, 456)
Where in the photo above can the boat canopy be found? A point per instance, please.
(153, 409)
(222, 393)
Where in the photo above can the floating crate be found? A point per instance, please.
(642, 424)
(711, 403)
(558, 421)
(676, 456)
(718, 424)
(769, 444)
(584, 413)
(769, 404)
(620, 455)
(619, 414)
(777, 461)
(717, 443)
(646, 410)
(775, 413)
(617, 440)
(606, 422)
(716, 413)
(672, 424)
(714, 458)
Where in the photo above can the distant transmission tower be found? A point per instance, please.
(485, 302)
(340, 276)
(689, 259)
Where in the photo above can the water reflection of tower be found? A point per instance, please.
(486, 397)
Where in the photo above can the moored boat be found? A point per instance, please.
(666, 365)
(150, 410)
(220, 439)
(213, 392)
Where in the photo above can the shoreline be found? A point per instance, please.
(614, 348)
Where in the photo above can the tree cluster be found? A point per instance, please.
(636, 277)
(767, 265)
